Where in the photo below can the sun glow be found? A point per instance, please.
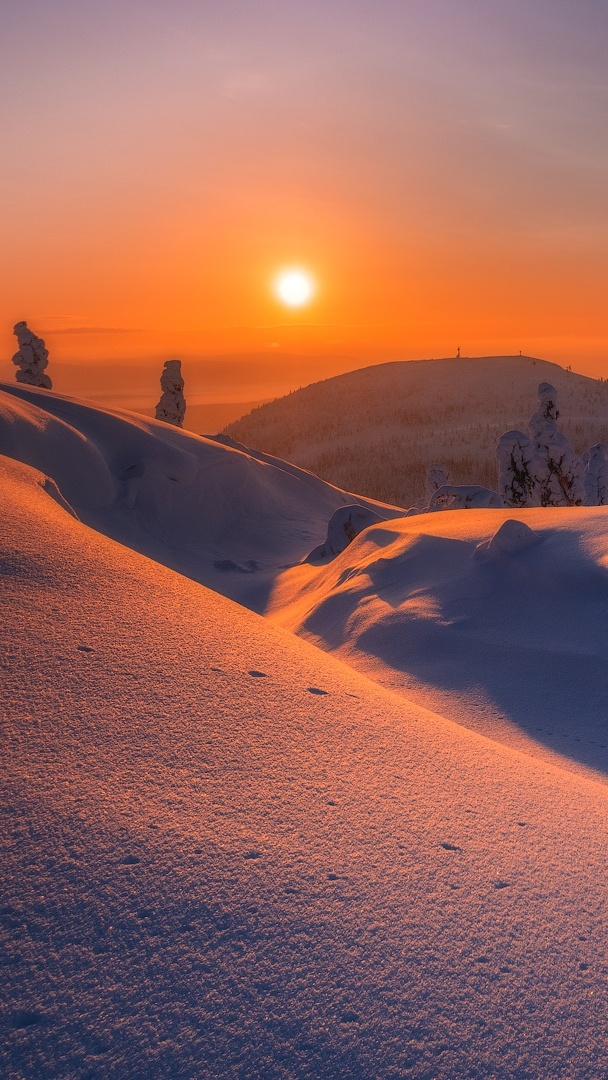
(295, 288)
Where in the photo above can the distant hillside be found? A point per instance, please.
(376, 430)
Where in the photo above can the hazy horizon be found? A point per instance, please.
(438, 170)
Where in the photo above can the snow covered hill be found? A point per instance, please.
(378, 429)
(495, 618)
(209, 509)
(226, 854)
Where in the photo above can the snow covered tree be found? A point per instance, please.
(464, 497)
(595, 461)
(172, 405)
(557, 470)
(516, 482)
(437, 476)
(31, 359)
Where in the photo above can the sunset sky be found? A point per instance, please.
(439, 168)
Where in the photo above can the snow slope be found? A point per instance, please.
(495, 618)
(208, 509)
(225, 854)
(377, 430)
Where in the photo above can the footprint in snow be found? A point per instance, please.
(25, 1018)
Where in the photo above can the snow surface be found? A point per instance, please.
(495, 618)
(345, 523)
(208, 508)
(225, 852)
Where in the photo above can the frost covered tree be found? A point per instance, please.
(437, 476)
(465, 497)
(172, 405)
(516, 481)
(557, 470)
(595, 462)
(31, 359)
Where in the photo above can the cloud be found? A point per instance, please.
(94, 330)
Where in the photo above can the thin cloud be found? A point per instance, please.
(94, 330)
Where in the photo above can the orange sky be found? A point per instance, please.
(439, 168)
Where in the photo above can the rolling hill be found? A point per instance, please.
(376, 430)
(226, 854)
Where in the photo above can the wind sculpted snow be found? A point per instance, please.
(514, 646)
(497, 623)
(226, 854)
(206, 508)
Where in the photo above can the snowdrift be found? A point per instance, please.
(225, 854)
(495, 618)
(207, 508)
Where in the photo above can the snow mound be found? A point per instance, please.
(32, 434)
(186, 501)
(345, 523)
(499, 624)
(511, 538)
(224, 854)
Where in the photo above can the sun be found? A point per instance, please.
(294, 287)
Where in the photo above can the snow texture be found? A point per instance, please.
(31, 359)
(204, 507)
(345, 523)
(459, 497)
(595, 463)
(511, 538)
(558, 471)
(499, 624)
(172, 406)
(256, 863)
